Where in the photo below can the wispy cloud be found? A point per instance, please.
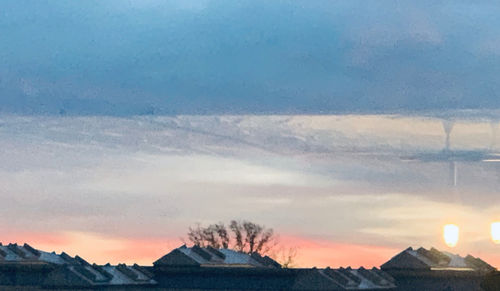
(335, 178)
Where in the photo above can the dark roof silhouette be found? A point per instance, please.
(314, 278)
(435, 256)
(478, 264)
(407, 261)
(424, 269)
(176, 258)
(423, 259)
(223, 269)
(228, 278)
(196, 268)
(53, 270)
(209, 257)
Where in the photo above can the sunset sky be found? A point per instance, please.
(122, 123)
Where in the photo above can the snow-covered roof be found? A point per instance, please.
(432, 259)
(214, 257)
(342, 279)
(80, 271)
(25, 253)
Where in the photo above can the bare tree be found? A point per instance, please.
(210, 236)
(236, 228)
(285, 256)
(243, 236)
(196, 236)
(266, 242)
(223, 235)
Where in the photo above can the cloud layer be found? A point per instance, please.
(215, 56)
(323, 181)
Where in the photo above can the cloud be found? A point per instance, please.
(213, 57)
(154, 176)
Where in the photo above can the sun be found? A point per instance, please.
(450, 234)
(495, 232)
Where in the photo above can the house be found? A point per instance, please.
(422, 269)
(197, 268)
(22, 265)
(211, 257)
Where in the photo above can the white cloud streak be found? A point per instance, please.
(318, 176)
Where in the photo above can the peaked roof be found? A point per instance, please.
(344, 279)
(315, 279)
(223, 278)
(176, 258)
(74, 271)
(26, 254)
(423, 259)
(196, 256)
(406, 260)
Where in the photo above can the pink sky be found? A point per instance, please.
(310, 252)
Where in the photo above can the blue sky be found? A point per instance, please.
(211, 57)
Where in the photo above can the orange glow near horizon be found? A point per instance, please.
(144, 251)
(324, 253)
(451, 235)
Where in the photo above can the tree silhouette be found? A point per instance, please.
(243, 236)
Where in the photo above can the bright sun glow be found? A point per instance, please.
(495, 232)
(450, 234)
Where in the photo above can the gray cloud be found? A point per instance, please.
(143, 174)
(161, 57)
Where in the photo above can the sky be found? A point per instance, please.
(137, 57)
(122, 123)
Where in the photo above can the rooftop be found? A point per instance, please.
(209, 268)
(435, 260)
(211, 257)
(73, 271)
